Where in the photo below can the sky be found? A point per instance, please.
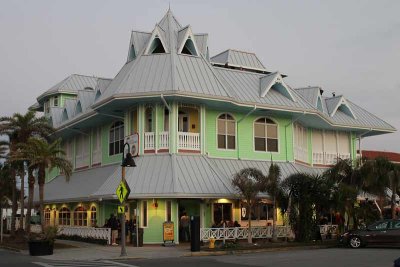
(348, 47)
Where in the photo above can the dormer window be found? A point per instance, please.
(189, 48)
(186, 42)
(156, 46)
(55, 101)
(132, 53)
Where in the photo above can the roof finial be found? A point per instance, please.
(169, 6)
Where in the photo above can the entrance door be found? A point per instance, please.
(183, 122)
(222, 212)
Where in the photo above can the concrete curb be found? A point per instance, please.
(248, 251)
(10, 248)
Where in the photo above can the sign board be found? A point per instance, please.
(121, 209)
(133, 141)
(168, 232)
(123, 191)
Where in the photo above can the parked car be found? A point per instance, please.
(385, 232)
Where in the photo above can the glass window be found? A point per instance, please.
(93, 216)
(168, 211)
(80, 216)
(226, 132)
(222, 212)
(64, 216)
(265, 135)
(55, 101)
(395, 225)
(262, 211)
(47, 216)
(144, 213)
(116, 143)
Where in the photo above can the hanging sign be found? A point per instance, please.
(168, 232)
(133, 141)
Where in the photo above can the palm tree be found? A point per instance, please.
(273, 188)
(44, 156)
(4, 146)
(249, 182)
(19, 128)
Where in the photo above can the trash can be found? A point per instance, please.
(133, 238)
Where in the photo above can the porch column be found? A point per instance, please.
(141, 128)
(202, 129)
(173, 129)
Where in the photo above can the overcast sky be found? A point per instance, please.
(350, 47)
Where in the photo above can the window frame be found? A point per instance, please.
(80, 215)
(47, 216)
(116, 128)
(226, 135)
(93, 220)
(266, 135)
(64, 216)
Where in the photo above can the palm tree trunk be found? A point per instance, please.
(31, 182)
(14, 207)
(22, 197)
(41, 179)
(249, 237)
(274, 233)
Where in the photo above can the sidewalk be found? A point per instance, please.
(87, 251)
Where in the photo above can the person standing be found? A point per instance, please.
(113, 224)
(184, 223)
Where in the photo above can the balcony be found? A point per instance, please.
(188, 141)
(325, 158)
(301, 154)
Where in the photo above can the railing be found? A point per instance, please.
(324, 158)
(301, 154)
(328, 230)
(96, 156)
(242, 232)
(190, 141)
(164, 140)
(92, 232)
(149, 141)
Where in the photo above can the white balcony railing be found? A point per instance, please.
(149, 140)
(301, 154)
(325, 158)
(190, 141)
(164, 140)
(242, 232)
(92, 232)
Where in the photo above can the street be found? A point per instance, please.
(374, 257)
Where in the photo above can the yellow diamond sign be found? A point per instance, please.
(123, 191)
(121, 209)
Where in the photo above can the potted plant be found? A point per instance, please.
(43, 243)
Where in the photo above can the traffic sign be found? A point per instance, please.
(123, 191)
(121, 209)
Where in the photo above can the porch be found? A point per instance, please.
(325, 158)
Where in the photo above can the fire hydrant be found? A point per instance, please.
(212, 243)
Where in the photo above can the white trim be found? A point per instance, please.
(188, 34)
(277, 79)
(156, 32)
(341, 102)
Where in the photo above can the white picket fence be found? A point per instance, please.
(242, 232)
(91, 232)
(149, 142)
(190, 141)
(164, 140)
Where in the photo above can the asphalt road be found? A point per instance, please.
(373, 257)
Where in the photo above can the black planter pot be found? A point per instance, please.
(40, 248)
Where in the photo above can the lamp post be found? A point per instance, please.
(127, 161)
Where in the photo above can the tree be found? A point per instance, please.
(249, 182)
(273, 189)
(4, 147)
(308, 196)
(44, 156)
(19, 128)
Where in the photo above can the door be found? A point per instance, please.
(377, 233)
(393, 232)
(183, 122)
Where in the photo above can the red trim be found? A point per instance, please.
(370, 154)
(302, 162)
(149, 151)
(189, 151)
(82, 168)
(322, 165)
(96, 164)
(163, 150)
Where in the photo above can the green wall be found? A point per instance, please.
(245, 138)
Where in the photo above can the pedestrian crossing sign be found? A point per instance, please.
(123, 191)
(121, 209)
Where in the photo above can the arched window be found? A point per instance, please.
(64, 216)
(265, 135)
(47, 216)
(116, 144)
(226, 132)
(80, 216)
(93, 216)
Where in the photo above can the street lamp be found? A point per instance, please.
(127, 161)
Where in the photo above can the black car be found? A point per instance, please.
(385, 232)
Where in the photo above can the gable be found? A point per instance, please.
(275, 82)
(186, 42)
(339, 103)
(156, 44)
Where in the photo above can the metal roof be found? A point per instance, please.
(81, 185)
(239, 59)
(310, 94)
(56, 116)
(201, 42)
